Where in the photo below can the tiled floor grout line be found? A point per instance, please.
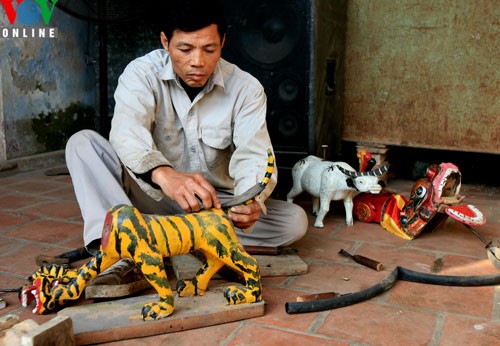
(318, 322)
(436, 336)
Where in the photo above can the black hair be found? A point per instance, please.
(191, 15)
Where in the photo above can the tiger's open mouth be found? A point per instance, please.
(32, 293)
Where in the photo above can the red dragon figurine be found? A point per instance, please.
(432, 199)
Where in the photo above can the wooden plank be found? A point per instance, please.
(121, 319)
(186, 266)
(116, 291)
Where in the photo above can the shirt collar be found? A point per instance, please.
(218, 77)
(167, 71)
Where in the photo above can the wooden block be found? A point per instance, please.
(121, 319)
(282, 265)
(7, 321)
(13, 335)
(58, 332)
(114, 291)
(186, 266)
(122, 279)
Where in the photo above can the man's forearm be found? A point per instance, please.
(148, 177)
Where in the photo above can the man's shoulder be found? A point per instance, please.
(154, 61)
(233, 73)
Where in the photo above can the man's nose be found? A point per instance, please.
(197, 58)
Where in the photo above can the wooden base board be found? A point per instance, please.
(186, 266)
(121, 319)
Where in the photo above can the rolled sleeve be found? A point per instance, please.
(249, 161)
(132, 122)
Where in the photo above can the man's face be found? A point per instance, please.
(194, 54)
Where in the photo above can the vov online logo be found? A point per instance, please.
(28, 13)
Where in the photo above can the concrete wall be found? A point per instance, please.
(418, 73)
(423, 73)
(3, 152)
(42, 74)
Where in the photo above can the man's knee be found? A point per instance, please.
(80, 140)
(86, 145)
(298, 223)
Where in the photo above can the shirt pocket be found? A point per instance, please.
(169, 136)
(215, 145)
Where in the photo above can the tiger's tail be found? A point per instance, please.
(249, 195)
(269, 169)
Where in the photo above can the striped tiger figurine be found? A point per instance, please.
(147, 240)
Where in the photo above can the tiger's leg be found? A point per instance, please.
(198, 285)
(151, 264)
(238, 260)
(247, 266)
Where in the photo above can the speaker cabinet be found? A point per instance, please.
(295, 48)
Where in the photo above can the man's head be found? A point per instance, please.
(192, 15)
(194, 34)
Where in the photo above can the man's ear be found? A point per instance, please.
(164, 40)
(223, 41)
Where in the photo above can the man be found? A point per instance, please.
(189, 130)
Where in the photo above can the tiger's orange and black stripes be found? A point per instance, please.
(147, 239)
(248, 197)
(269, 169)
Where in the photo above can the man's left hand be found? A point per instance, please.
(244, 216)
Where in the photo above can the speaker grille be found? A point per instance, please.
(295, 48)
(270, 40)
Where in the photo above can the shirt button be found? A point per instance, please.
(191, 113)
(167, 137)
(193, 149)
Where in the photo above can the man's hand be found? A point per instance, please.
(244, 216)
(187, 189)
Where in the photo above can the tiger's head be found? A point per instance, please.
(43, 290)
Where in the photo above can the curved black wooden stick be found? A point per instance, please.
(344, 300)
(447, 280)
(386, 284)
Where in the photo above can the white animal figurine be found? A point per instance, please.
(332, 181)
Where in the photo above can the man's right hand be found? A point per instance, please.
(187, 189)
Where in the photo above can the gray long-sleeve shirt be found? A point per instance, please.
(221, 134)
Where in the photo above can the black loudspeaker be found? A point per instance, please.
(295, 49)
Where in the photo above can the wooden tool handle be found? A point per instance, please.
(317, 296)
(367, 262)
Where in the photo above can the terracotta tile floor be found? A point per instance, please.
(39, 214)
